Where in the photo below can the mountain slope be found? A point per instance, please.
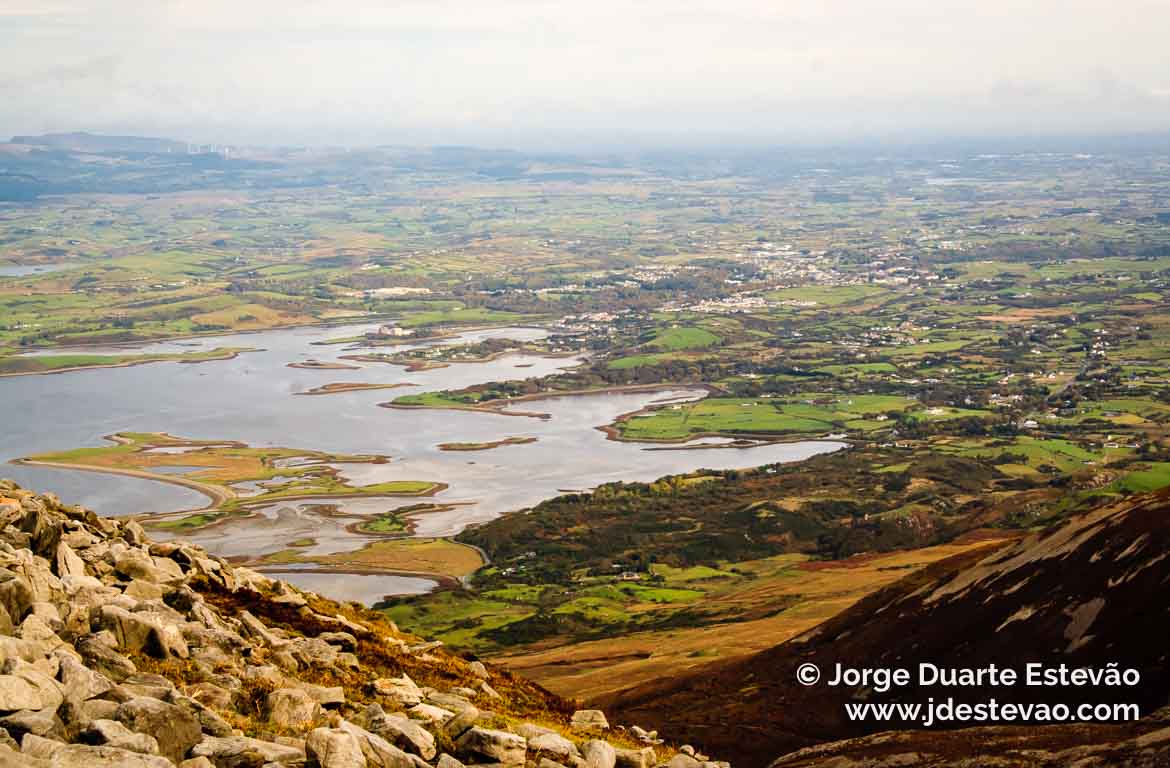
(119, 651)
(1093, 590)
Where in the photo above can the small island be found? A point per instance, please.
(332, 389)
(32, 365)
(317, 365)
(486, 446)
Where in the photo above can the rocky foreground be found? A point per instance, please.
(119, 651)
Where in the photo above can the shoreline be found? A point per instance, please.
(130, 346)
(499, 406)
(130, 364)
(443, 581)
(217, 495)
(434, 489)
(410, 523)
(339, 387)
(488, 446)
(740, 440)
(473, 408)
(80, 348)
(342, 321)
(247, 507)
(311, 565)
(427, 364)
(312, 365)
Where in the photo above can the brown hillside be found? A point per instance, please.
(1093, 590)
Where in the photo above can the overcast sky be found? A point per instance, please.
(571, 73)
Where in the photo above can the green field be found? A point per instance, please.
(812, 413)
(674, 339)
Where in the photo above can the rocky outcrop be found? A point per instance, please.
(119, 651)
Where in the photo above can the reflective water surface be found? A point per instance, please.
(254, 399)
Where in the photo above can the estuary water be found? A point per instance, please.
(254, 398)
(26, 270)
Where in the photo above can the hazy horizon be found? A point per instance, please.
(559, 75)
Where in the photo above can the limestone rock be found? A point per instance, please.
(197, 762)
(402, 732)
(113, 734)
(399, 690)
(39, 636)
(554, 745)
(243, 752)
(28, 688)
(549, 742)
(430, 713)
(211, 695)
(599, 754)
(496, 746)
(15, 594)
(144, 631)
(644, 736)
(133, 532)
(145, 590)
(255, 629)
(211, 723)
(103, 657)
(17, 693)
(68, 562)
(326, 697)
(60, 755)
(589, 720)
(343, 640)
(80, 683)
(291, 708)
(175, 729)
(635, 758)
(97, 709)
(458, 725)
(378, 752)
(43, 722)
(683, 760)
(450, 701)
(334, 748)
(138, 565)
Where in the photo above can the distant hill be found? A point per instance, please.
(80, 141)
(1092, 591)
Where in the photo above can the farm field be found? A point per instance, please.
(741, 608)
(807, 413)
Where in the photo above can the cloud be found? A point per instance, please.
(520, 72)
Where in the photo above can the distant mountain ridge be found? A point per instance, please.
(82, 141)
(1089, 592)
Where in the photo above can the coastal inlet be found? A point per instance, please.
(332, 482)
